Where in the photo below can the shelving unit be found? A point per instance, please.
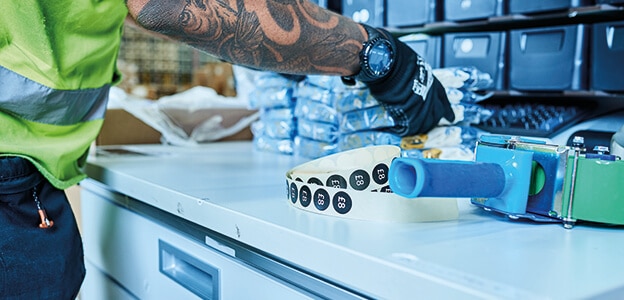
(576, 15)
(594, 102)
(598, 102)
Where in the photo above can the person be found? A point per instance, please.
(58, 61)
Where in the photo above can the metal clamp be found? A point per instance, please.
(578, 145)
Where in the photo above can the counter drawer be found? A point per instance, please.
(150, 261)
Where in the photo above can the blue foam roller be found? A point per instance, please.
(410, 177)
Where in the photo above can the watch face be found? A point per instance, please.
(380, 58)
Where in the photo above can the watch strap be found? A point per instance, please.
(373, 35)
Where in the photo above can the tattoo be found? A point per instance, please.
(290, 36)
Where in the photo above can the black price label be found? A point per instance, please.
(359, 180)
(321, 199)
(305, 196)
(293, 192)
(342, 203)
(380, 174)
(336, 181)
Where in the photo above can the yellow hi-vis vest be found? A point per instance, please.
(57, 63)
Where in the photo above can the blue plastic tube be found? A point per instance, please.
(411, 178)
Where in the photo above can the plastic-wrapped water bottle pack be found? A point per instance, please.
(276, 128)
(319, 116)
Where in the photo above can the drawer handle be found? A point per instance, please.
(198, 277)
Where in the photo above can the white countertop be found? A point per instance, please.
(242, 193)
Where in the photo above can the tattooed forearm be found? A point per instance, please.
(291, 36)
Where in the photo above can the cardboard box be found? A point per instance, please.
(122, 128)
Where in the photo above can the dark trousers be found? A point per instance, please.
(35, 262)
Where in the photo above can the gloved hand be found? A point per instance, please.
(413, 96)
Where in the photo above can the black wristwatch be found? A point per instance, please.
(376, 58)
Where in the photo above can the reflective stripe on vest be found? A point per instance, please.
(38, 103)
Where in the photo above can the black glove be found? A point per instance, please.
(415, 99)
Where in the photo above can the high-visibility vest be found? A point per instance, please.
(57, 64)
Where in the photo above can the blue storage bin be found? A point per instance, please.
(524, 6)
(548, 58)
(370, 12)
(614, 2)
(484, 50)
(429, 47)
(461, 10)
(607, 57)
(402, 13)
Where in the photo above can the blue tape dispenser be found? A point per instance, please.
(519, 177)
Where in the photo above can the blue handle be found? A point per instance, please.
(410, 177)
